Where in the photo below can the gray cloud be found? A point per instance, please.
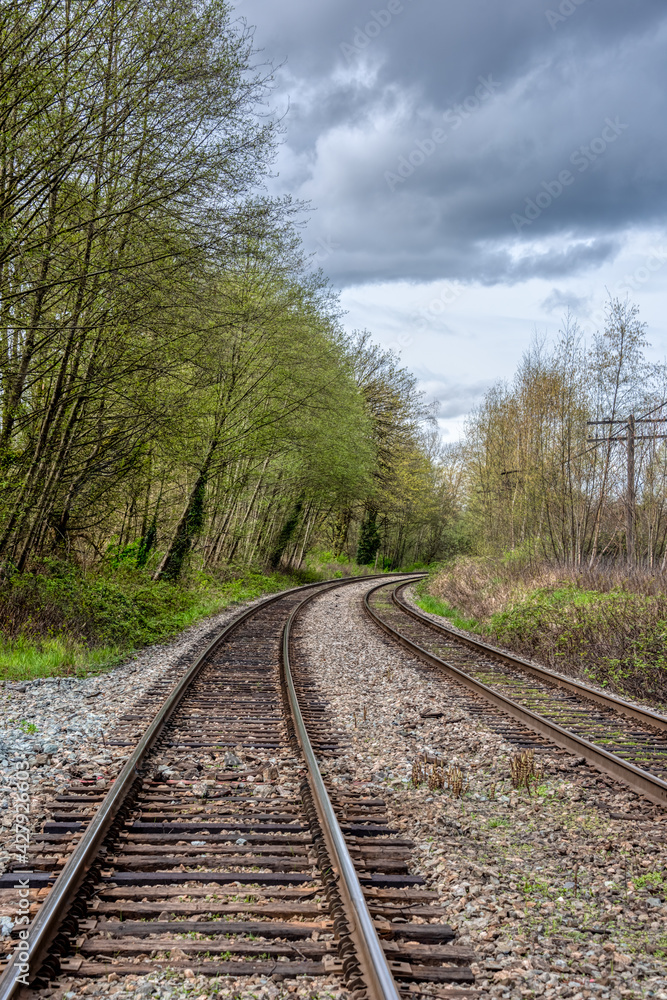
(455, 398)
(560, 302)
(414, 174)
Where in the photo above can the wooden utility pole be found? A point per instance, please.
(630, 438)
(631, 499)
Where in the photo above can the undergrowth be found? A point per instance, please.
(603, 625)
(59, 621)
(434, 606)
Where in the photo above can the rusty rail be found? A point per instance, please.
(375, 970)
(639, 780)
(46, 926)
(644, 715)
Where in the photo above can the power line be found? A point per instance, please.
(629, 439)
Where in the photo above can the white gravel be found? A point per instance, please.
(518, 876)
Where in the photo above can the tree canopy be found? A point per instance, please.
(175, 382)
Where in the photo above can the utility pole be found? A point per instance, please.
(631, 500)
(630, 438)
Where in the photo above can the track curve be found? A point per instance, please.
(214, 852)
(621, 739)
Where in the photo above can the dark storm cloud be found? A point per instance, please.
(490, 140)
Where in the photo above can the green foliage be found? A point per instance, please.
(458, 538)
(68, 623)
(369, 539)
(176, 389)
(574, 626)
(592, 624)
(434, 606)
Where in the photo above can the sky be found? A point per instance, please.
(474, 169)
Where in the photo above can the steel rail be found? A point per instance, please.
(374, 967)
(644, 715)
(45, 927)
(641, 781)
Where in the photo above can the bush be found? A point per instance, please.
(602, 625)
(59, 620)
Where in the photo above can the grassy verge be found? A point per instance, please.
(599, 625)
(434, 606)
(60, 622)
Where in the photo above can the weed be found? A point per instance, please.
(652, 880)
(27, 727)
(534, 886)
(436, 777)
(522, 769)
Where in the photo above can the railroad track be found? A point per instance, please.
(528, 703)
(219, 849)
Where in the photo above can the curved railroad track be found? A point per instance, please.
(219, 849)
(615, 736)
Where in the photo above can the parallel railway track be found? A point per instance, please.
(219, 848)
(622, 739)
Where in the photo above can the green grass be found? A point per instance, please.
(434, 606)
(22, 658)
(61, 622)
(596, 627)
(652, 880)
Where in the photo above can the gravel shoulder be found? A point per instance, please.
(558, 897)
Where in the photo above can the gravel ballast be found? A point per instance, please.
(62, 726)
(558, 897)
